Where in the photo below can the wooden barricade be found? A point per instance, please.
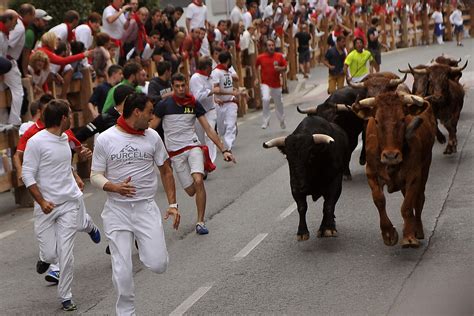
(291, 53)
(467, 15)
(404, 21)
(255, 100)
(8, 141)
(448, 32)
(237, 64)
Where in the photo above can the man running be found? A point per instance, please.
(123, 166)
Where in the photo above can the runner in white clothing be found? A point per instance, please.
(226, 99)
(123, 165)
(85, 32)
(59, 205)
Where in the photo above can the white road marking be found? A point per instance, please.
(290, 209)
(190, 301)
(87, 195)
(250, 246)
(7, 233)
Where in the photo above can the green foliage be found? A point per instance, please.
(57, 8)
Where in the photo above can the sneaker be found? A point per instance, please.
(95, 235)
(265, 125)
(282, 125)
(201, 229)
(52, 276)
(69, 306)
(42, 267)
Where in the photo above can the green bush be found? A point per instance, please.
(57, 8)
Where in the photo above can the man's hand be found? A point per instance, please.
(172, 211)
(125, 188)
(84, 153)
(79, 182)
(228, 156)
(46, 206)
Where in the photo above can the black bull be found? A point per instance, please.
(345, 118)
(317, 152)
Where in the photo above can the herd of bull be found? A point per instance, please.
(398, 128)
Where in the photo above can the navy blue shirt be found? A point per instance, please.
(335, 59)
(100, 95)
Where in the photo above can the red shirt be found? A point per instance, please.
(59, 60)
(270, 76)
(38, 126)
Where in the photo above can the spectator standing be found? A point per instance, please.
(160, 87)
(220, 32)
(59, 202)
(250, 14)
(26, 15)
(237, 13)
(101, 60)
(270, 66)
(334, 60)
(130, 181)
(356, 65)
(153, 21)
(114, 23)
(437, 17)
(304, 54)
(202, 88)
(374, 46)
(188, 156)
(85, 32)
(64, 31)
(135, 36)
(196, 15)
(35, 30)
(456, 19)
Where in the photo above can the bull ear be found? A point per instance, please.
(365, 108)
(412, 127)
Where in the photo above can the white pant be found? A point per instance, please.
(124, 222)
(211, 117)
(55, 233)
(227, 123)
(13, 81)
(275, 94)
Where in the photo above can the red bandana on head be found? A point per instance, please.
(70, 33)
(141, 33)
(4, 29)
(127, 128)
(188, 100)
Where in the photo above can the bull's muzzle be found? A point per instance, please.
(391, 157)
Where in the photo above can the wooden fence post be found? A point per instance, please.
(404, 21)
(425, 23)
(449, 28)
(291, 54)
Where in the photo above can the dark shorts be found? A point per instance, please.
(458, 29)
(304, 56)
(377, 55)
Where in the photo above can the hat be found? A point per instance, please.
(5, 65)
(41, 14)
(122, 92)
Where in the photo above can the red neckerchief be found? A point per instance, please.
(141, 36)
(202, 73)
(199, 5)
(116, 9)
(188, 100)
(222, 67)
(4, 29)
(127, 128)
(70, 33)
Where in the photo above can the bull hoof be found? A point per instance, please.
(410, 242)
(390, 238)
(347, 177)
(420, 235)
(302, 237)
(327, 233)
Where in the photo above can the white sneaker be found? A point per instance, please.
(282, 125)
(264, 125)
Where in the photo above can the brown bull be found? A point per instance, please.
(400, 135)
(378, 83)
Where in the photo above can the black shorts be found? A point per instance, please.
(458, 29)
(377, 55)
(304, 56)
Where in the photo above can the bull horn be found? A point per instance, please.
(413, 99)
(459, 69)
(306, 111)
(342, 107)
(367, 101)
(322, 139)
(404, 71)
(459, 60)
(356, 85)
(396, 82)
(418, 71)
(279, 141)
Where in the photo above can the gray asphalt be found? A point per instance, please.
(354, 274)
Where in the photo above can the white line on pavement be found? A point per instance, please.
(190, 301)
(250, 246)
(7, 233)
(290, 209)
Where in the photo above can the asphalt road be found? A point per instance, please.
(251, 262)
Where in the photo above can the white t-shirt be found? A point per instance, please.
(115, 29)
(218, 35)
(197, 14)
(200, 86)
(121, 155)
(456, 17)
(61, 31)
(224, 79)
(16, 40)
(84, 34)
(246, 42)
(247, 20)
(205, 50)
(236, 15)
(268, 12)
(47, 163)
(437, 17)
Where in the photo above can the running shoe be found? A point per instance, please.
(52, 276)
(69, 306)
(42, 267)
(95, 235)
(201, 229)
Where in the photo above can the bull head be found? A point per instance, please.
(364, 108)
(280, 141)
(459, 69)
(396, 82)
